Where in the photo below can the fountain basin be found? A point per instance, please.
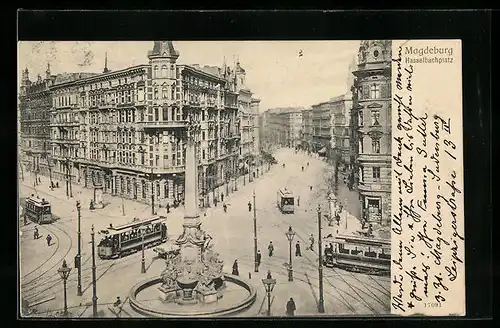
(193, 310)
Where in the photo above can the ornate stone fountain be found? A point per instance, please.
(195, 273)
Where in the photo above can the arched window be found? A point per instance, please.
(172, 71)
(155, 72)
(164, 92)
(164, 71)
(156, 93)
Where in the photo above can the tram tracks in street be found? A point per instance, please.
(43, 273)
(355, 289)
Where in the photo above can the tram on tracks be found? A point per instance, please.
(359, 254)
(285, 201)
(38, 210)
(128, 238)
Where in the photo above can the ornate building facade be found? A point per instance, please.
(307, 129)
(125, 129)
(371, 130)
(35, 102)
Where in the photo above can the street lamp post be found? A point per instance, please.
(64, 273)
(79, 255)
(321, 306)
(152, 193)
(269, 284)
(50, 170)
(94, 289)
(290, 234)
(255, 234)
(143, 261)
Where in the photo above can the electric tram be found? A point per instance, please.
(38, 210)
(285, 201)
(128, 238)
(360, 254)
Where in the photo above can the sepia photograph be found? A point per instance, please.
(167, 179)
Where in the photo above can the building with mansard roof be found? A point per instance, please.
(126, 129)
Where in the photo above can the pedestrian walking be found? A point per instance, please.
(290, 307)
(298, 200)
(259, 257)
(221, 196)
(311, 240)
(270, 248)
(168, 208)
(297, 249)
(49, 239)
(235, 268)
(39, 180)
(224, 206)
(35, 234)
(249, 206)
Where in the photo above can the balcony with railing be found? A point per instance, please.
(162, 124)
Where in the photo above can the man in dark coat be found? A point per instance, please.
(259, 258)
(49, 239)
(270, 248)
(290, 307)
(297, 249)
(249, 206)
(235, 268)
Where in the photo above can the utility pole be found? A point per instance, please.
(79, 255)
(123, 207)
(321, 305)
(67, 178)
(94, 291)
(152, 194)
(50, 171)
(255, 234)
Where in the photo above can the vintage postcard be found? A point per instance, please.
(165, 179)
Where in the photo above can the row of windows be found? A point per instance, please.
(110, 83)
(64, 118)
(164, 72)
(66, 135)
(35, 130)
(35, 115)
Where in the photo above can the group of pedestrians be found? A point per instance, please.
(36, 235)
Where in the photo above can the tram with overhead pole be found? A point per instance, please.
(38, 210)
(359, 254)
(128, 238)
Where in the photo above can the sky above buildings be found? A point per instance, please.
(276, 72)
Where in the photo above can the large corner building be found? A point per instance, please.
(371, 130)
(126, 129)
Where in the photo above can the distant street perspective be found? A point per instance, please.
(164, 190)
